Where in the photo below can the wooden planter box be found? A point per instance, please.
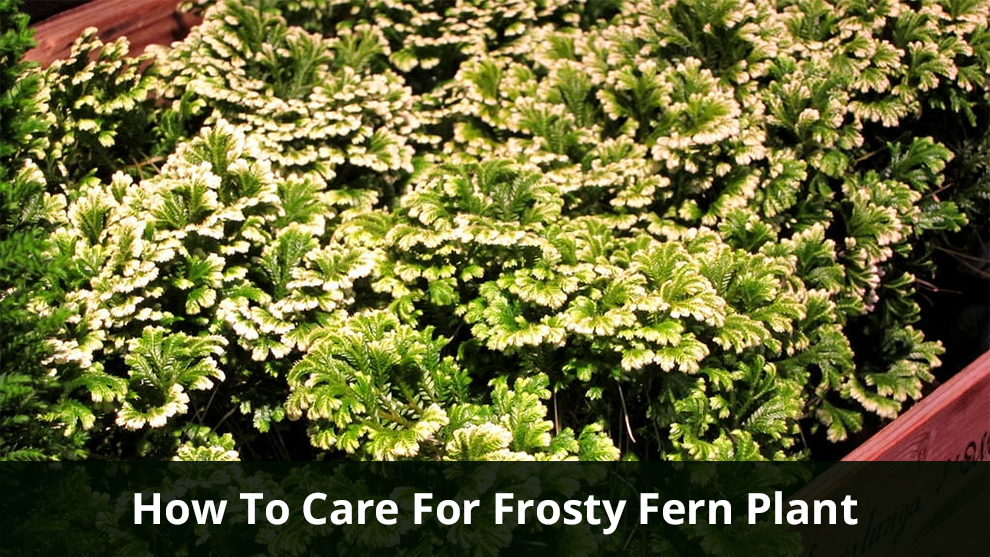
(938, 505)
(143, 22)
(953, 423)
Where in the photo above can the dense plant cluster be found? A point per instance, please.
(474, 230)
(26, 389)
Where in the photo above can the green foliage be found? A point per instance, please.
(27, 212)
(375, 387)
(100, 112)
(314, 104)
(723, 118)
(469, 230)
(179, 251)
(428, 40)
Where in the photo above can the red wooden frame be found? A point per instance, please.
(952, 423)
(143, 22)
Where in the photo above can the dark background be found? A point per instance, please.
(41, 9)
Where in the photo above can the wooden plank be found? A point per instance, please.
(953, 423)
(144, 22)
(915, 508)
(903, 508)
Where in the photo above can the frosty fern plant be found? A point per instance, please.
(229, 256)
(315, 105)
(429, 39)
(599, 301)
(698, 149)
(536, 230)
(100, 112)
(374, 386)
(173, 250)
